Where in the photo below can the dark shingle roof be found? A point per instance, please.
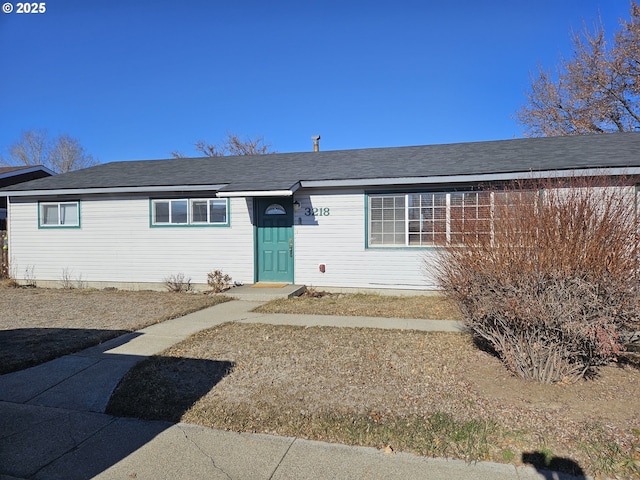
(284, 171)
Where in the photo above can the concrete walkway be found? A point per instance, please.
(52, 424)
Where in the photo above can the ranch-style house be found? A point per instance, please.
(349, 219)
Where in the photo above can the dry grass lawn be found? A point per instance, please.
(427, 393)
(433, 307)
(37, 324)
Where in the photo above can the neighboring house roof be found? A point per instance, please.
(15, 175)
(6, 172)
(285, 172)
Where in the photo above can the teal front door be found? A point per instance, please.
(274, 239)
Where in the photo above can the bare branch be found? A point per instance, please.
(67, 154)
(31, 149)
(232, 145)
(597, 91)
(61, 154)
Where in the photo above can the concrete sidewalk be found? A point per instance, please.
(52, 424)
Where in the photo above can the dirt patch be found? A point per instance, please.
(38, 324)
(359, 386)
(432, 307)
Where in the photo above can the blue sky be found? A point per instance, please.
(138, 79)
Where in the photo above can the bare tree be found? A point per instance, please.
(67, 154)
(597, 91)
(61, 154)
(233, 144)
(30, 149)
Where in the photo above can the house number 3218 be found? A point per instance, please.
(317, 212)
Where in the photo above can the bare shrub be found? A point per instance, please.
(81, 283)
(65, 281)
(178, 283)
(218, 281)
(29, 276)
(4, 256)
(553, 284)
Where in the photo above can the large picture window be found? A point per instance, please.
(59, 214)
(427, 219)
(185, 212)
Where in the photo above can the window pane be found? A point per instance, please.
(218, 211)
(430, 218)
(275, 209)
(414, 214)
(427, 239)
(376, 202)
(457, 198)
(388, 202)
(199, 211)
(161, 212)
(50, 214)
(69, 214)
(179, 211)
(388, 214)
(426, 199)
(388, 239)
(387, 219)
(484, 211)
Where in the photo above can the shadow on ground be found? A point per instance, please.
(26, 347)
(41, 442)
(554, 468)
(164, 388)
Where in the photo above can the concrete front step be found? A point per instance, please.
(265, 292)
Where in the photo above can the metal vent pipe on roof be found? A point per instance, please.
(316, 143)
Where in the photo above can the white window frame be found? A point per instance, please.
(210, 203)
(446, 220)
(61, 216)
(189, 221)
(170, 203)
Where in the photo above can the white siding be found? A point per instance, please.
(116, 244)
(338, 240)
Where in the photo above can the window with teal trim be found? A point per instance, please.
(184, 211)
(59, 214)
(427, 219)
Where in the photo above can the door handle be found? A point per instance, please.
(291, 247)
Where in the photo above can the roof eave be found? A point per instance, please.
(339, 183)
(110, 190)
(259, 193)
(24, 171)
(473, 178)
